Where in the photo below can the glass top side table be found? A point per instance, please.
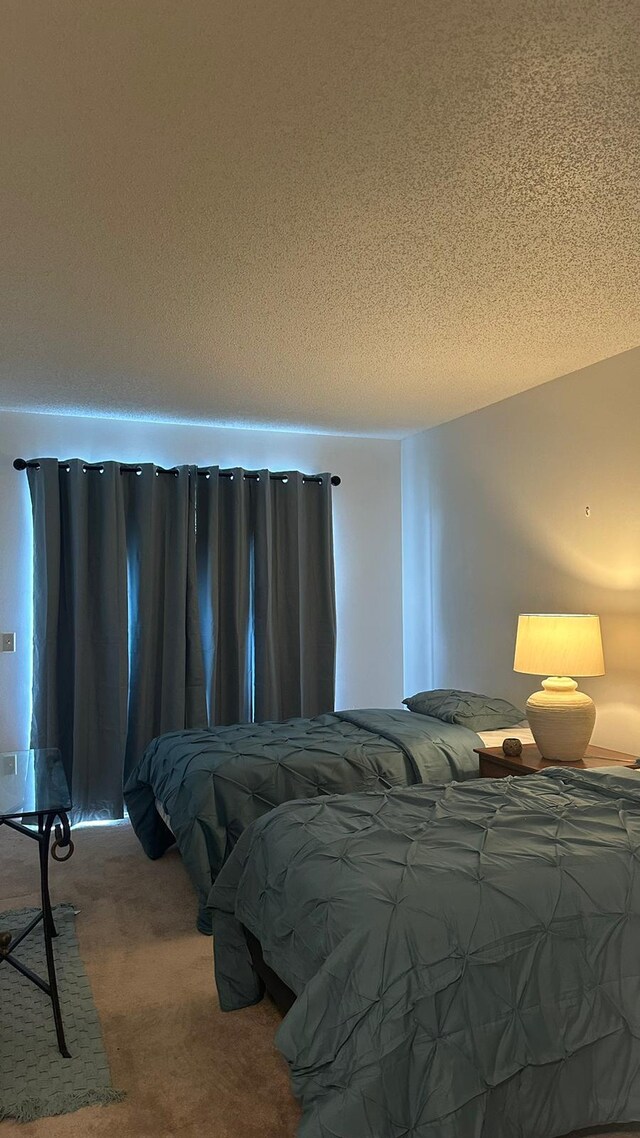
(35, 801)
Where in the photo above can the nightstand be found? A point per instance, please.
(495, 764)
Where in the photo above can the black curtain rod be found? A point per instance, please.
(22, 464)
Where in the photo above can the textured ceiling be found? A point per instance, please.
(368, 216)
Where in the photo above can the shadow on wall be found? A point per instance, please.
(621, 637)
(597, 547)
(618, 722)
(589, 561)
(495, 553)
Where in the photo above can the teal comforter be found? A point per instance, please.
(466, 958)
(213, 783)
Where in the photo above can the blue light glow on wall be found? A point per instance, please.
(368, 575)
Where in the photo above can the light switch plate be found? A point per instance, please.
(8, 642)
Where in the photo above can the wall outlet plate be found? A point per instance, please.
(9, 764)
(8, 642)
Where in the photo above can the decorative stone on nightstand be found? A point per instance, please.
(512, 747)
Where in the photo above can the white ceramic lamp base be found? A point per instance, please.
(561, 719)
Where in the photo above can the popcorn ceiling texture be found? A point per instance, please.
(369, 217)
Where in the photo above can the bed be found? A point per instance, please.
(202, 788)
(463, 959)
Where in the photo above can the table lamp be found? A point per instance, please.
(560, 645)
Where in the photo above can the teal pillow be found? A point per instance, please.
(477, 712)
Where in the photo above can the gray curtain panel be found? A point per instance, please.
(80, 628)
(203, 598)
(224, 556)
(167, 686)
(294, 598)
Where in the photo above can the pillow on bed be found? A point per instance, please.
(477, 712)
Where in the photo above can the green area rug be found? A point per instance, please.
(35, 1081)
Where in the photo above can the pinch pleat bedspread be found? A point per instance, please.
(213, 783)
(466, 958)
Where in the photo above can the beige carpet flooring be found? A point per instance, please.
(188, 1070)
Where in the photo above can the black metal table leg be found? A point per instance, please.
(45, 838)
(49, 929)
(9, 942)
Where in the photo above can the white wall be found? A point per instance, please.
(494, 524)
(367, 513)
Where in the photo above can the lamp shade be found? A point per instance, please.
(559, 644)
